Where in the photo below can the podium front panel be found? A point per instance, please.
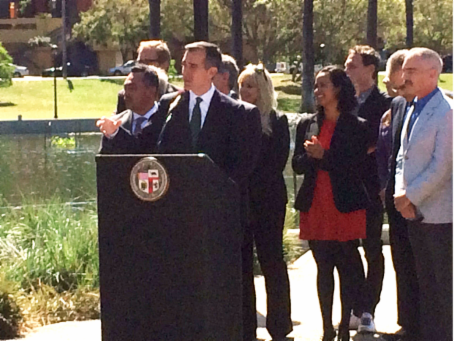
(169, 269)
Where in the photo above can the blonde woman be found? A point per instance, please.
(267, 206)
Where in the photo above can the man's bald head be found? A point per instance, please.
(421, 70)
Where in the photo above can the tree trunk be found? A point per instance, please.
(307, 102)
(201, 20)
(372, 23)
(409, 19)
(155, 19)
(237, 32)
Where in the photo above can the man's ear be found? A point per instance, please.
(371, 69)
(212, 71)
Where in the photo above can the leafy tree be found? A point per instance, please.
(123, 23)
(6, 70)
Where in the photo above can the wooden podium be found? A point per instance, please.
(170, 269)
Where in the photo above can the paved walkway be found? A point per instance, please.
(305, 308)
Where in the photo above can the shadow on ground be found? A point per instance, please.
(7, 104)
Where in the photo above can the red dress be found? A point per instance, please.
(324, 221)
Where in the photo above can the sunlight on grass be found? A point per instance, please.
(93, 98)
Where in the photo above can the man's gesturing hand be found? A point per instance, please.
(108, 126)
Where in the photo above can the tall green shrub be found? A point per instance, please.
(6, 70)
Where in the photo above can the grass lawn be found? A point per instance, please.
(93, 98)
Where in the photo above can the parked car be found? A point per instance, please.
(72, 70)
(20, 71)
(122, 70)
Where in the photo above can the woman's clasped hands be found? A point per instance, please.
(314, 148)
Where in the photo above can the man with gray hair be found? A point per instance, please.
(423, 189)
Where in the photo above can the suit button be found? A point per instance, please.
(406, 157)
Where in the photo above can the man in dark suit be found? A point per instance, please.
(155, 53)
(362, 68)
(121, 131)
(203, 120)
(401, 249)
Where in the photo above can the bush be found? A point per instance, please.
(6, 69)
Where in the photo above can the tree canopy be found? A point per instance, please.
(272, 29)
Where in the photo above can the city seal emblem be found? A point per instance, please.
(149, 179)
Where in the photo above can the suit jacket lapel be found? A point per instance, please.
(210, 118)
(424, 117)
(314, 126)
(126, 117)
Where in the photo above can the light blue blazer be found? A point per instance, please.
(427, 160)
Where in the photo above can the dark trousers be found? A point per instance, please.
(346, 258)
(432, 248)
(266, 230)
(405, 268)
(373, 246)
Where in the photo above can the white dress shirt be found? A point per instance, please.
(204, 105)
(148, 114)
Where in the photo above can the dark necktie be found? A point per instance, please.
(196, 121)
(138, 125)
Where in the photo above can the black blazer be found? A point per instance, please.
(267, 184)
(223, 136)
(398, 110)
(348, 150)
(126, 143)
(372, 110)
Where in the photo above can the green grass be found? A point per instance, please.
(93, 98)
(85, 98)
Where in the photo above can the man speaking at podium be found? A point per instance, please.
(202, 119)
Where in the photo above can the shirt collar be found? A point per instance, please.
(421, 102)
(365, 94)
(149, 112)
(206, 97)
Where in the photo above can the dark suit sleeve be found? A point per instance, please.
(240, 148)
(121, 143)
(301, 161)
(282, 138)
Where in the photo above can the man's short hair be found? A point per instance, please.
(229, 65)
(395, 61)
(150, 76)
(162, 50)
(369, 56)
(429, 56)
(153, 77)
(213, 53)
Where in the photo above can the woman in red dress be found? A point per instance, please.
(330, 145)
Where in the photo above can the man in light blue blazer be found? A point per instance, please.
(423, 189)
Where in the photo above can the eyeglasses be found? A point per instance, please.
(261, 70)
(153, 62)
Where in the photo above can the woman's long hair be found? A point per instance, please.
(346, 94)
(266, 100)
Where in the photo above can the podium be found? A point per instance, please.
(170, 269)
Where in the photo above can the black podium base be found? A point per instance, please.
(170, 269)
